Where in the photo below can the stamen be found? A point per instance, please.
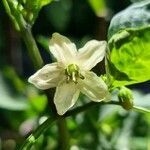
(73, 73)
(74, 78)
(81, 76)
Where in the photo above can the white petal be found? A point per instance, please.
(47, 77)
(94, 87)
(62, 49)
(92, 53)
(65, 97)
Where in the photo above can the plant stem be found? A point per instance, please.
(63, 134)
(63, 142)
(62, 125)
(50, 94)
(12, 18)
(41, 129)
(33, 50)
(141, 109)
(88, 106)
(25, 31)
(37, 61)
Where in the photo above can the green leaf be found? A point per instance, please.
(38, 103)
(134, 1)
(44, 2)
(44, 42)
(9, 101)
(129, 43)
(33, 7)
(59, 14)
(99, 7)
(135, 16)
(37, 4)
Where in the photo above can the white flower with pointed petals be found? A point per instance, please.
(70, 74)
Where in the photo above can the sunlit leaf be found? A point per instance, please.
(129, 44)
(33, 8)
(99, 7)
(44, 2)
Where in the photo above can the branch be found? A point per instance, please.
(33, 137)
(43, 127)
(32, 48)
(87, 106)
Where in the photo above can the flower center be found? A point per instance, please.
(73, 73)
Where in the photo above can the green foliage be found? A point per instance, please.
(24, 12)
(134, 1)
(99, 7)
(8, 100)
(33, 7)
(38, 103)
(44, 42)
(100, 127)
(129, 43)
(59, 20)
(126, 98)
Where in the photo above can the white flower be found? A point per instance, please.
(70, 74)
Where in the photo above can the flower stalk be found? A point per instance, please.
(61, 125)
(32, 48)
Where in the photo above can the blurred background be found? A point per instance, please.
(23, 107)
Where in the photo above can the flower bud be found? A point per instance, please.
(126, 98)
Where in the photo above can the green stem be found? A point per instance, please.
(33, 50)
(41, 129)
(63, 134)
(141, 109)
(62, 125)
(87, 106)
(63, 142)
(12, 18)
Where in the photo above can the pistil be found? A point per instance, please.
(73, 73)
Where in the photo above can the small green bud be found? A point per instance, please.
(30, 16)
(126, 98)
(20, 7)
(32, 139)
(14, 3)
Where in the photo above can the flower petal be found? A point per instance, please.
(62, 48)
(47, 77)
(94, 87)
(65, 97)
(92, 53)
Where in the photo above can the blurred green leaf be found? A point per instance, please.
(33, 8)
(44, 2)
(141, 99)
(44, 42)
(39, 102)
(140, 143)
(59, 14)
(14, 79)
(129, 44)
(37, 4)
(11, 102)
(134, 1)
(99, 7)
(23, 12)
